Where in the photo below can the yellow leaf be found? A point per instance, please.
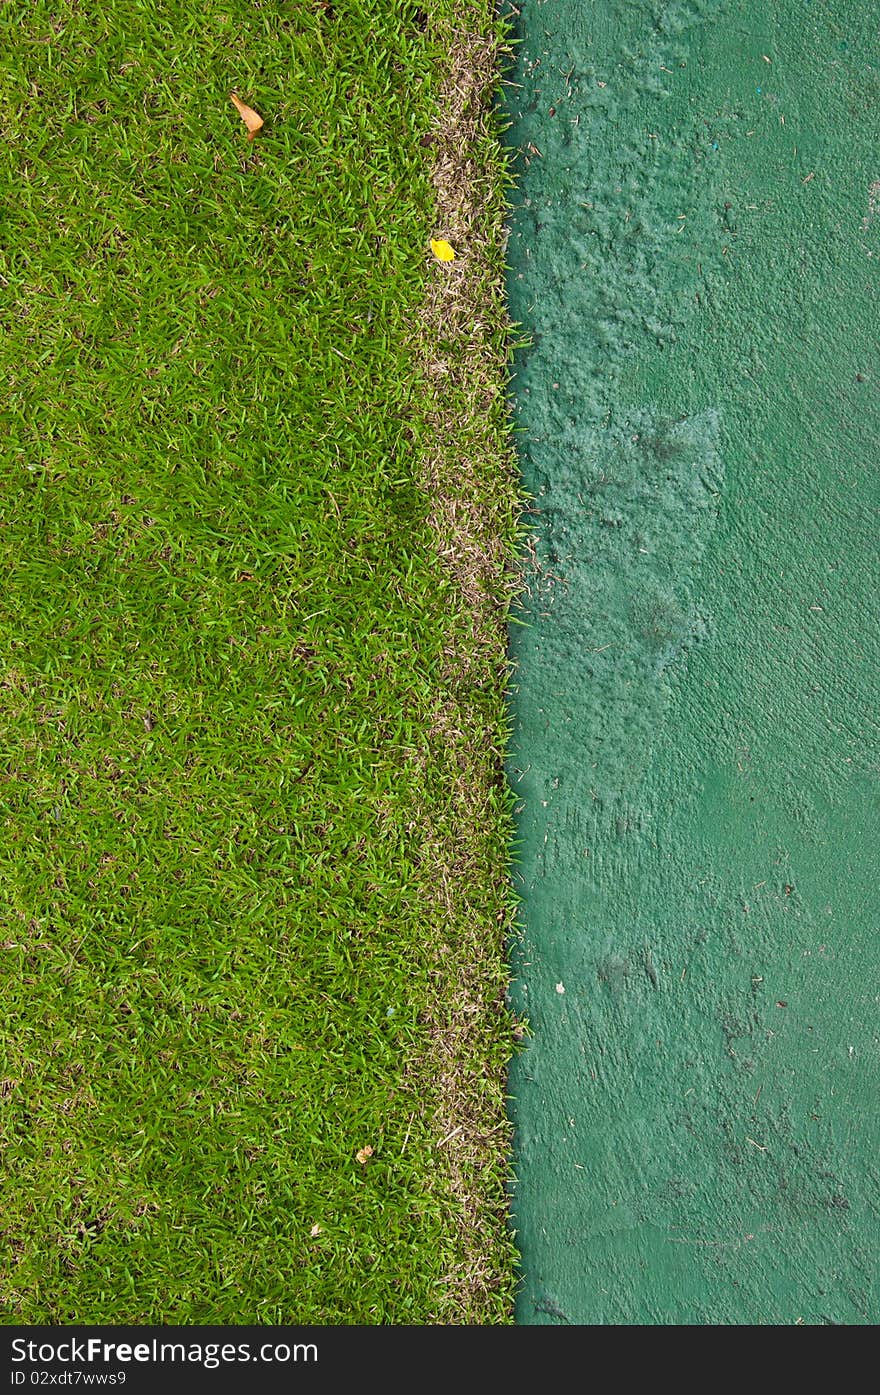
(363, 1153)
(442, 250)
(251, 118)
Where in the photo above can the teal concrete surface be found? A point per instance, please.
(694, 251)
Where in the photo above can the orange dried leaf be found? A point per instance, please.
(252, 119)
(363, 1153)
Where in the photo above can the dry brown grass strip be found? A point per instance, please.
(470, 475)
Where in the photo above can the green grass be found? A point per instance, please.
(224, 639)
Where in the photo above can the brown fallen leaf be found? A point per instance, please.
(252, 119)
(363, 1153)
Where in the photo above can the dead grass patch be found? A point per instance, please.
(469, 473)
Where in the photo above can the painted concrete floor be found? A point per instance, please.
(695, 252)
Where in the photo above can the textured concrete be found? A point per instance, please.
(694, 252)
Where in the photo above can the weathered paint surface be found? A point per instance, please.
(694, 251)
